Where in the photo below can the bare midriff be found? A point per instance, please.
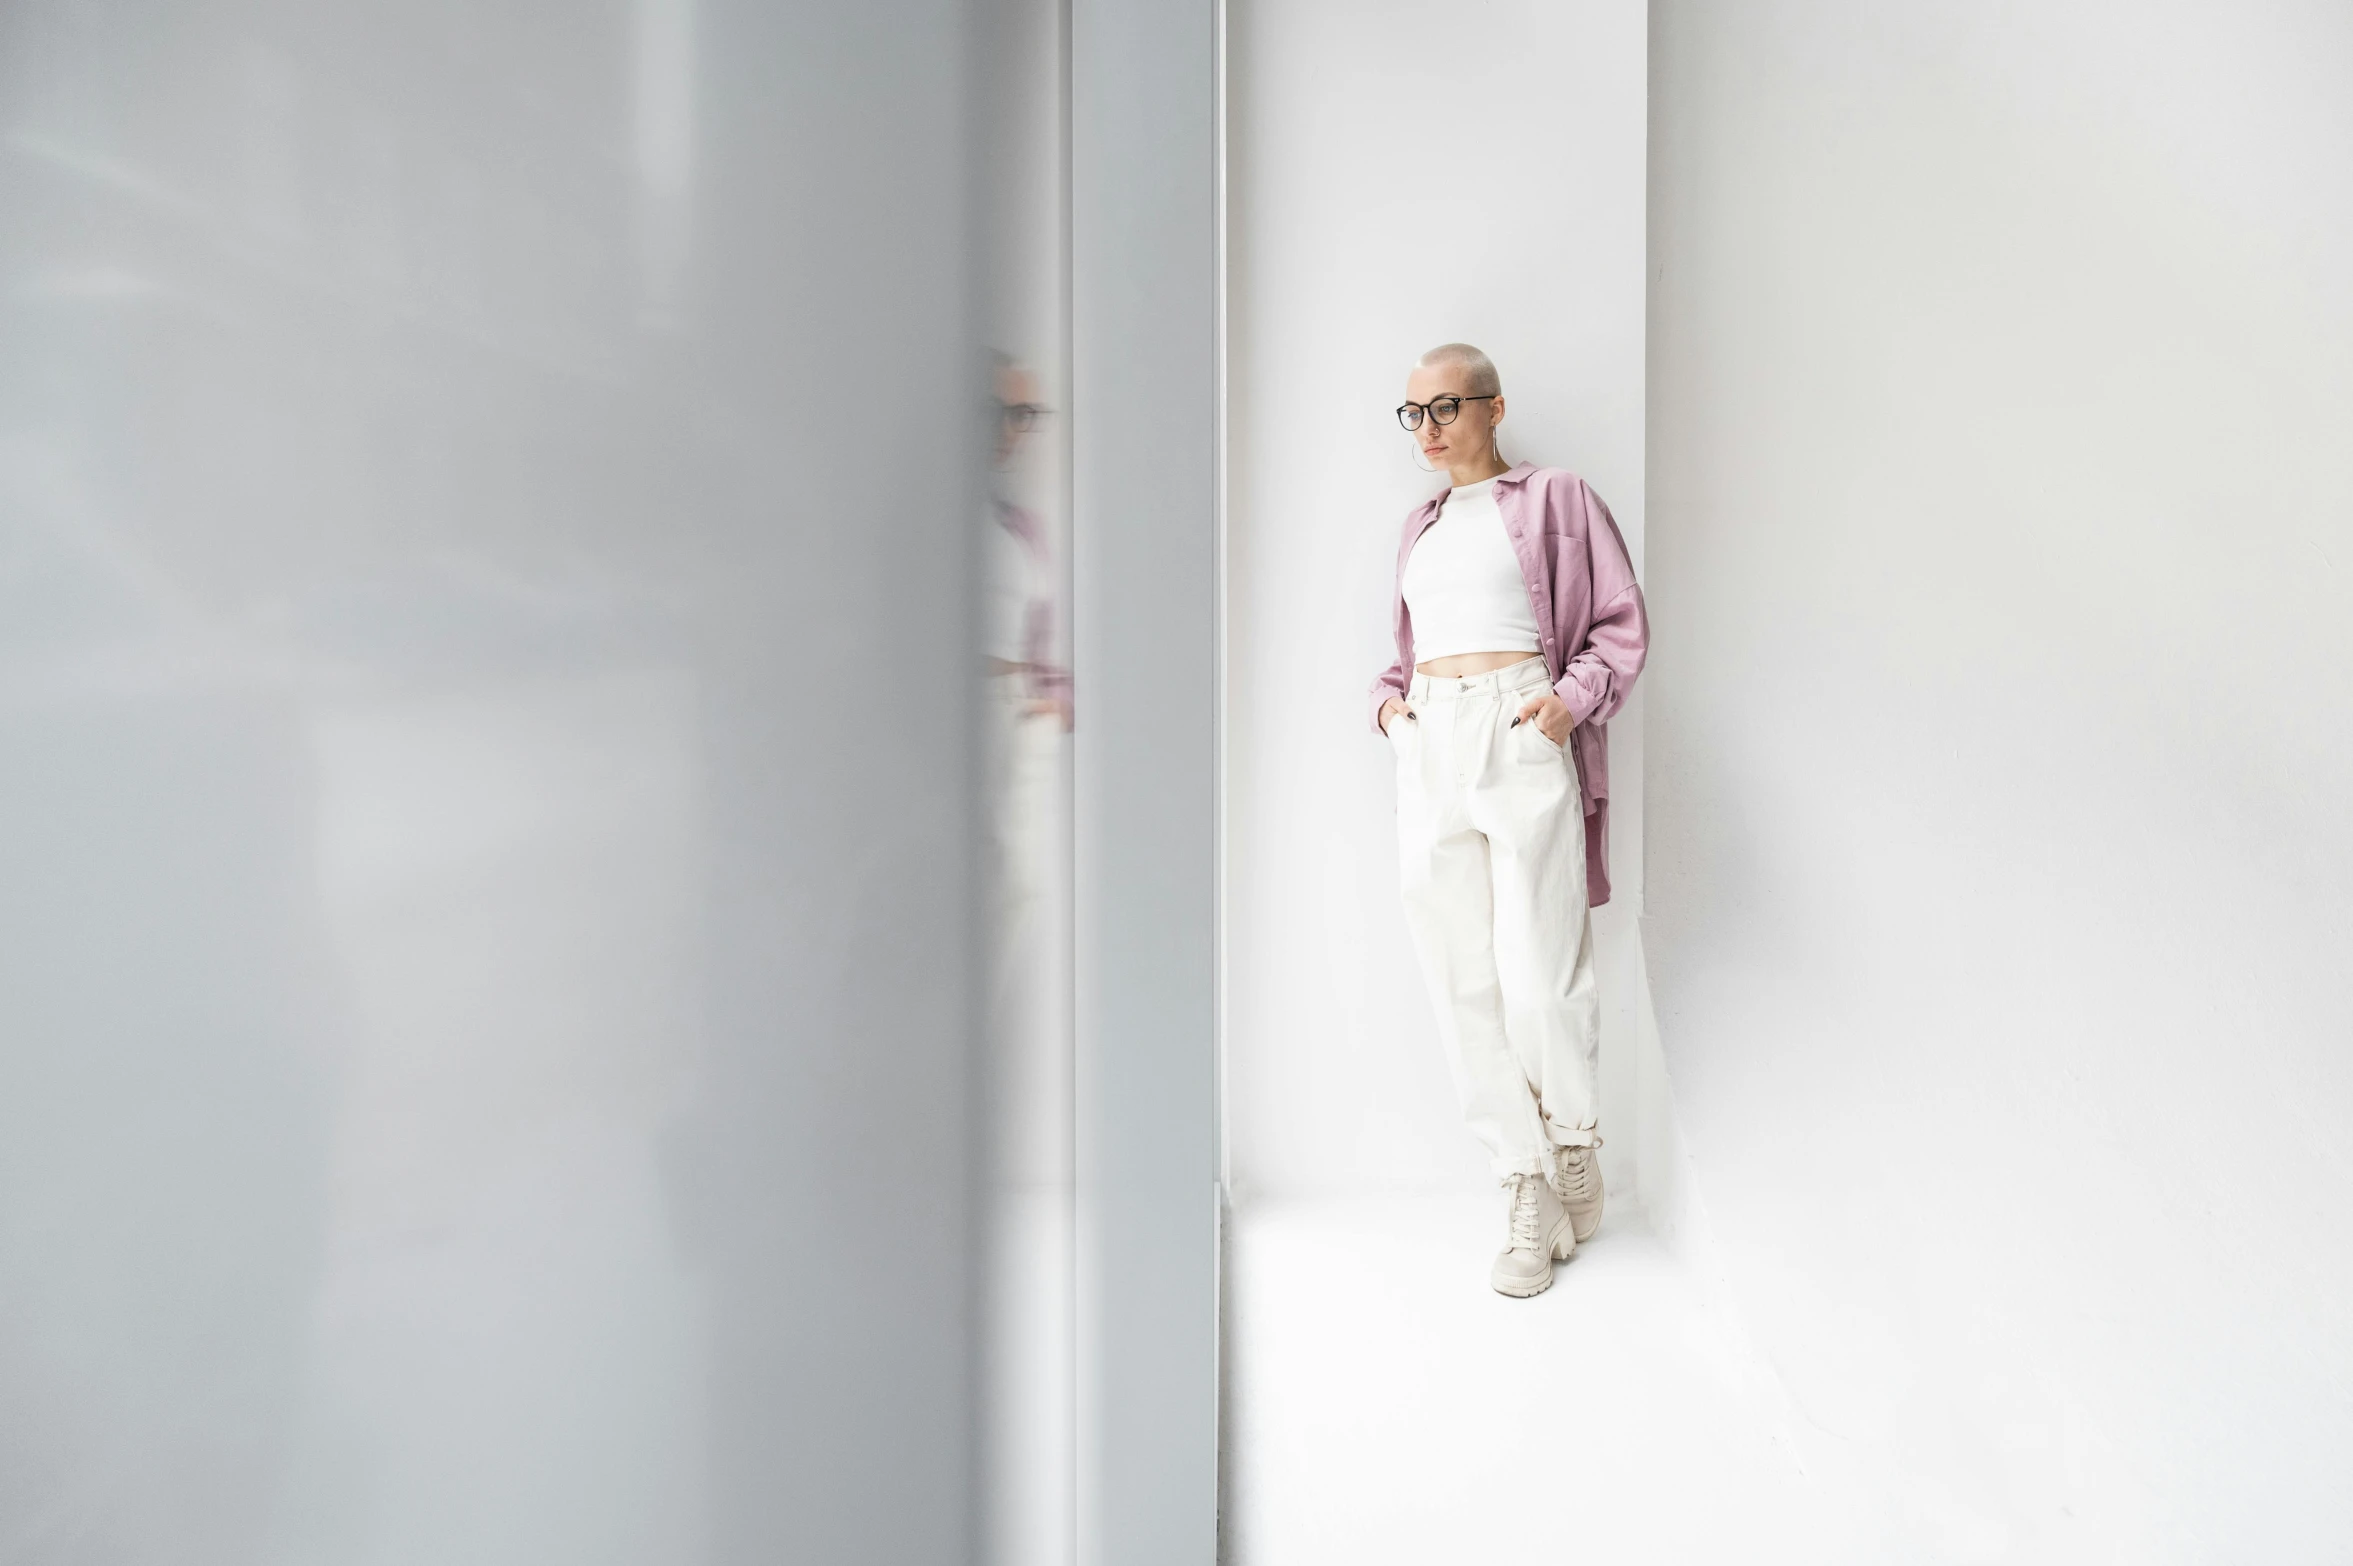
(1458, 666)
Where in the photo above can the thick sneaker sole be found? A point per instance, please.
(1562, 1247)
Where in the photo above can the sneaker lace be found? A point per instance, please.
(1576, 1174)
(1526, 1213)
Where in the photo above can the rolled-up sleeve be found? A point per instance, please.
(1600, 675)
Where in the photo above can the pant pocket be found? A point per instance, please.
(1551, 745)
(1405, 740)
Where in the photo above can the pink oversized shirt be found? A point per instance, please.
(1589, 618)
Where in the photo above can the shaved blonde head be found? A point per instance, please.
(1478, 370)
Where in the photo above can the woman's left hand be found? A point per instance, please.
(1551, 714)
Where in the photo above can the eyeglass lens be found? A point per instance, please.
(1442, 411)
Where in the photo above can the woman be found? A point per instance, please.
(1520, 630)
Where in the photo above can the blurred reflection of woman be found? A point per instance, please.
(1030, 713)
(1520, 630)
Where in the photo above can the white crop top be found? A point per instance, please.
(1463, 586)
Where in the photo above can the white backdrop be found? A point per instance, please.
(1389, 191)
(2001, 877)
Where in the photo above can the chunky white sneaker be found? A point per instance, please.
(1576, 1180)
(1540, 1235)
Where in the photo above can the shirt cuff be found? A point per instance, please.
(1580, 701)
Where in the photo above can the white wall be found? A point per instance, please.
(2001, 564)
(1397, 179)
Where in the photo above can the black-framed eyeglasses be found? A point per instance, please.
(1440, 409)
(1022, 417)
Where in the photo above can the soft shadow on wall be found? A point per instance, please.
(2002, 555)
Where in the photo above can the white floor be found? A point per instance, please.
(1384, 1405)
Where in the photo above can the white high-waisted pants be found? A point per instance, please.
(1491, 834)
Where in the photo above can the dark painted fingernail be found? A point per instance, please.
(1515, 723)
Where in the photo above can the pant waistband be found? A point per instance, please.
(1512, 678)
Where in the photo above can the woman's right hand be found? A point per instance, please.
(1390, 709)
